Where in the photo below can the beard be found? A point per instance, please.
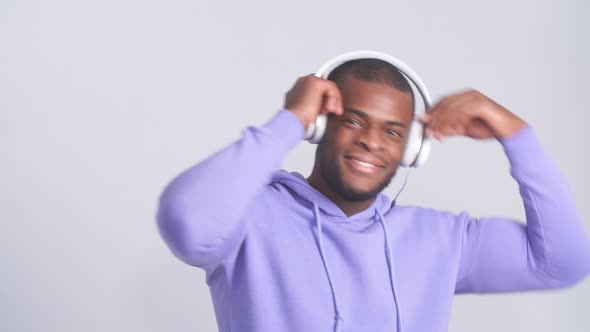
(333, 176)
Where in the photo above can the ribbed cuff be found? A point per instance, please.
(522, 148)
(286, 127)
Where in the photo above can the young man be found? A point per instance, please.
(330, 252)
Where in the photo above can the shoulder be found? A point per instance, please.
(281, 191)
(428, 218)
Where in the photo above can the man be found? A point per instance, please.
(330, 252)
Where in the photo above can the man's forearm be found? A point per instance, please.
(201, 210)
(555, 230)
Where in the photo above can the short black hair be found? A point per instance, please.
(372, 70)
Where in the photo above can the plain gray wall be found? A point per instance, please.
(103, 102)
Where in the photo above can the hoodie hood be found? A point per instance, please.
(297, 184)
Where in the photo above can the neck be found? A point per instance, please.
(349, 207)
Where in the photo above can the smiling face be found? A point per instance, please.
(363, 148)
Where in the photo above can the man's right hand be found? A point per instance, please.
(311, 96)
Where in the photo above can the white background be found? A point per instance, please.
(103, 102)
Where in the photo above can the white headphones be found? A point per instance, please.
(418, 145)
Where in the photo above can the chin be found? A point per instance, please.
(357, 189)
(358, 195)
(353, 186)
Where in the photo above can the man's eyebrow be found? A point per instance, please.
(364, 116)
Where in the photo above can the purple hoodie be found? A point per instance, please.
(280, 256)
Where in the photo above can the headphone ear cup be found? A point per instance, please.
(413, 145)
(424, 152)
(316, 130)
(310, 131)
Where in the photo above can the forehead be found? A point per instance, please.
(377, 100)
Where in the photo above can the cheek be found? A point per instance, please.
(328, 151)
(396, 151)
(339, 137)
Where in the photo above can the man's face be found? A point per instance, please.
(362, 148)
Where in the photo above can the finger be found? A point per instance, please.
(334, 98)
(437, 136)
(452, 131)
(425, 118)
(451, 101)
(441, 104)
(444, 131)
(443, 123)
(339, 106)
(454, 124)
(462, 104)
(325, 107)
(451, 115)
(330, 105)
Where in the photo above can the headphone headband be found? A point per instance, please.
(329, 66)
(418, 146)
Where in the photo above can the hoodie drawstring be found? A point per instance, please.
(391, 272)
(318, 221)
(388, 255)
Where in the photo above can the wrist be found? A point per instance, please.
(301, 117)
(286, 124)
(502, 122)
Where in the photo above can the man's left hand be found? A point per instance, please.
(470, 114)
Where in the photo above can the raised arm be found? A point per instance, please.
(552, 250)
(200, 214)
(200, 210)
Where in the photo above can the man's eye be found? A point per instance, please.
(394, 133)
(353, 122)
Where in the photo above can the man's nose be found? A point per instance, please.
(371, 139)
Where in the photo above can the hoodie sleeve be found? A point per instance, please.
(200, 214)
(551, 251)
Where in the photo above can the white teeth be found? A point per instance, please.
(364, 163)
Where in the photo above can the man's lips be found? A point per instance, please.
(364, 164)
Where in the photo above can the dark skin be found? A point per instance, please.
(367, 130)
(363, 147)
